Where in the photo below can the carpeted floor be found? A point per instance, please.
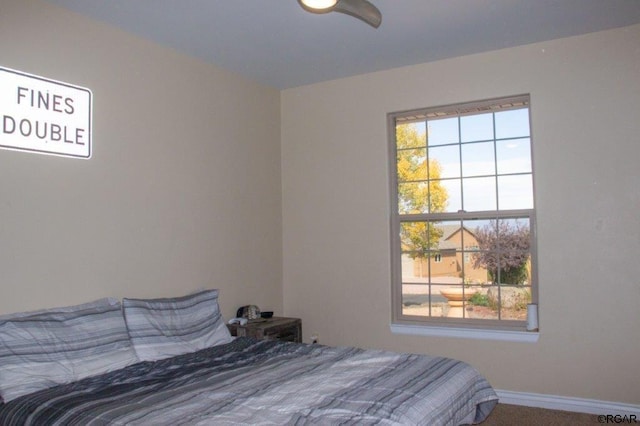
(505, 414)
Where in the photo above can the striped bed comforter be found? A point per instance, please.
(265, 382)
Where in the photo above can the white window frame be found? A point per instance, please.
(502, 329)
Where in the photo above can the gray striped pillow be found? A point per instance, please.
(44, 348)
(161, 328)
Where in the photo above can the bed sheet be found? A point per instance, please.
(263, 382)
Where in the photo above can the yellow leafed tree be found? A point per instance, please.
(419, 191)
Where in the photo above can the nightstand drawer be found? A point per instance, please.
(276, 328)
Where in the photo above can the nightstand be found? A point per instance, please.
(276, 328)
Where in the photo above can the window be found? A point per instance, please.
(463, 218)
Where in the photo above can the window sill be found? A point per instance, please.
(466, 333)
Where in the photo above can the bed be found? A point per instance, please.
(167, 368)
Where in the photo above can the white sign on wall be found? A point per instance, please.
(44, 116)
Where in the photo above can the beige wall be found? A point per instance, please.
(182, 191)
(585, 103)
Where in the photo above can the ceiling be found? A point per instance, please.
(277, 43)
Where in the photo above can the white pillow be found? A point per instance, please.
(44, 348)
(161, 328)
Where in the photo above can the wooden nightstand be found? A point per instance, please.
(280, 328)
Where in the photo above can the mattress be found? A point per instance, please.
(267, 382)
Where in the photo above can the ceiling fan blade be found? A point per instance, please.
(360, 9)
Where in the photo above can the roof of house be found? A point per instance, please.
(449, 231)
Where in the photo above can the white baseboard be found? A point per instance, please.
(556, 402)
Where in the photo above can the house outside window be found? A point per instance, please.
(462, 215)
